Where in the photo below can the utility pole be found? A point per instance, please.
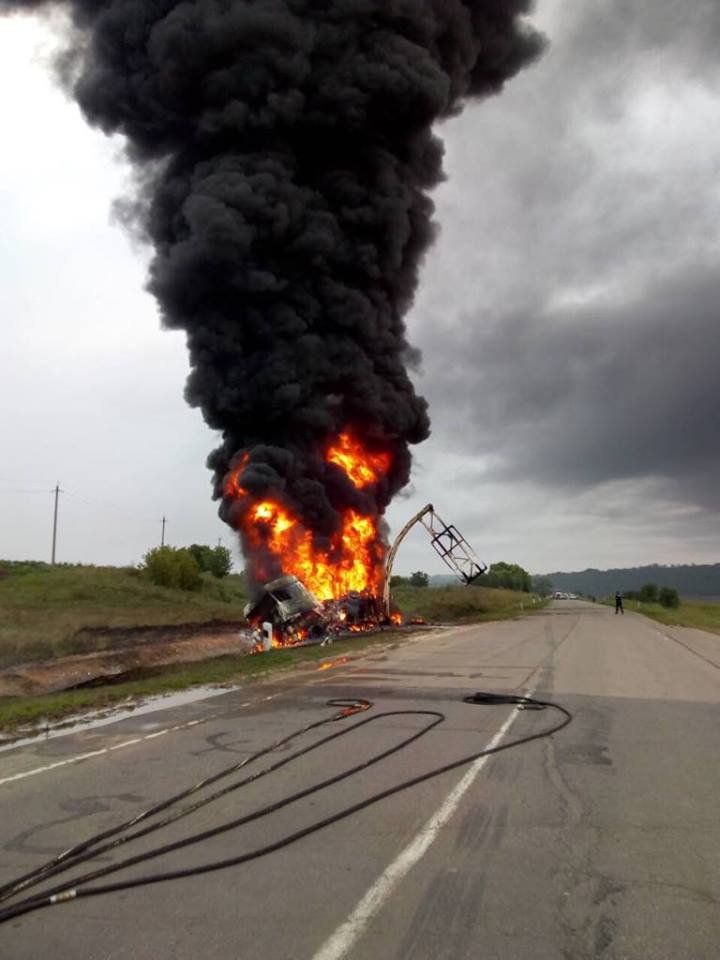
(57, 492)
(162, 538)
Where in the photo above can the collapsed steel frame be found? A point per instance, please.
(292, 600)
(446, 540)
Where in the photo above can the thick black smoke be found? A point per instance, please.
(285, 151)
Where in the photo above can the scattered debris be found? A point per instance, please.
(285, 613)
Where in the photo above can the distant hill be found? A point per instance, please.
(443, 580)
(690, 580)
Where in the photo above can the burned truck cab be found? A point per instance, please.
(293, 611)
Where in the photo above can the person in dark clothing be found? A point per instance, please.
(618, 603)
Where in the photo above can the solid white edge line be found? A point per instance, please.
(348, 933)
(78, 758)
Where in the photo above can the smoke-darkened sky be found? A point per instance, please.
(567, 314)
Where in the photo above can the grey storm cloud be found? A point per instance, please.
(569, 323)
(602, 393)
(617, 29)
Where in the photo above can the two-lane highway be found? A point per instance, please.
(602, 841)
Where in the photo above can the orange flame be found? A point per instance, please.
(232, 484)
(354, 559)
(329, 664)
(361, 466)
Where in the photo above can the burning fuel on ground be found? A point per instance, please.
(285, 152)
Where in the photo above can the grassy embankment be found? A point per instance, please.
(463, 604)
(702, 616)
(43, 612)
(19, 711)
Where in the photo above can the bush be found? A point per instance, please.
(168, 567)
(668, 597)
(201, 554)
(506, 576)
(220, 562)
(648, 592)
(189, 577)
(214, 560)
(160, 566)
(419, 579)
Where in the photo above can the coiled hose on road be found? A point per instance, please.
(123, 833)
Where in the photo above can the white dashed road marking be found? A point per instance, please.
(78, 758)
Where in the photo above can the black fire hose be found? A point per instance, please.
(77, 854)
(115, 837)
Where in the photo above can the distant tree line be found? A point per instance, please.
(506, 576)
(417, 579)
(689, 580)
(651, 593)
(648, 593)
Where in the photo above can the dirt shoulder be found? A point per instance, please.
(127, 662)
(21, 715)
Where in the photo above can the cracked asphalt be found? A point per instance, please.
(602, 841)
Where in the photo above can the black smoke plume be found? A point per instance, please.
(285, 151)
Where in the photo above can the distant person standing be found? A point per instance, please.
(618, 603)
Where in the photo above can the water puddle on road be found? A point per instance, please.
(101, 718)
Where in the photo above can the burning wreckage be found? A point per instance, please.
(285, 613)
(284, 179)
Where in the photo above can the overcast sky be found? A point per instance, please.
(568, 315)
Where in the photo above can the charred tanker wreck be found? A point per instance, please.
(285, 613)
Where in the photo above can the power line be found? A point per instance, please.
(83, 498)
(141, 520)
(104, 505)
(37, 491)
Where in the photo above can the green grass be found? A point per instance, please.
(42, 611)
(463, 604)
(43, 608)
(21, 711)
(702, 616)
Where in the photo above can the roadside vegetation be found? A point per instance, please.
(44, 610)
(499, 576)
(462, 604)
(508, 576)
(690, 580)
(20, 712)
(688, 613)
(663, 603)
(650, 593)
(183, 567)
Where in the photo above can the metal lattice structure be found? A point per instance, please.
(448, 543)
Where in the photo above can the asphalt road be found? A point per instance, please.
(602, 841)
